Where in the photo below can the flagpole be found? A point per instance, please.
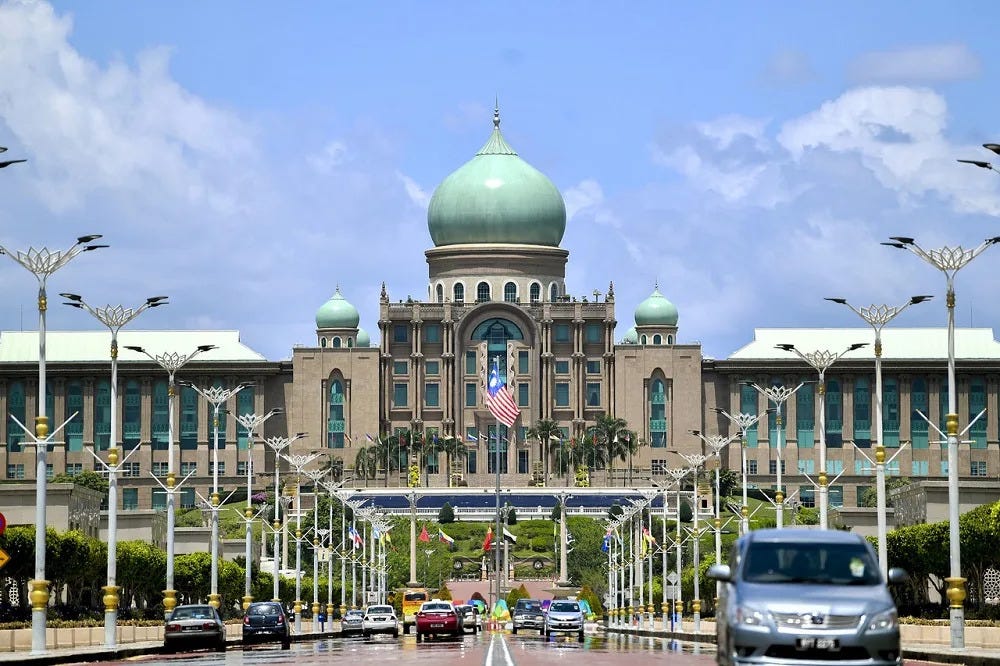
(498, 532)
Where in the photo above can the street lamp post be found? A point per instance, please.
(171, 362)
(950, 260)
(250, 422)
(42, 263)
(877, 316)
(677, 474)
(695, 460)
(743, 422)
(778, 395)
(277, 444)
(715, 444)
(216, 396)
(315, 475)
(298, 462)
(821, 361)
(114, 317)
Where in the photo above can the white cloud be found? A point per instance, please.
(585, 194)
(788, 68)
(333, 156)
(417, 194)
(932, 63)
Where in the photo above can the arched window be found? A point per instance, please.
(15, 410)
(510, 292)
(497, 332)
(189, 419)
(670, 339)
(657, 339)
(336, 343)
(553, 292)
(160, 417)
(535, 292)
(322, 342)
(350, 343)
(74, 405)
(440, 293)
(459, 291)
(643, 339)
(335, 427)
(244, 405)
(102, 415)
(482, 292)
(132, 417)
(657, 414)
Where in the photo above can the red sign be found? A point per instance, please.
(3, 523)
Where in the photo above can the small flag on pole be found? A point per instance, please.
(507, 534)
(355, 538)
(445, 538)
(488, 542)
(424, 536)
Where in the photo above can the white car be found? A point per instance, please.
(380, 620)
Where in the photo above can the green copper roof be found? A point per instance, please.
(631, 337)
(337, 313)
(656, 311)
(363, 339)
(496, 197)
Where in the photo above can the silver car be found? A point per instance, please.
(797, 596)
(194, 626)
(564, 617)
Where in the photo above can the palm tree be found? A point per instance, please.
(453, 447)
(366, 463)
(545, 431)
(611, 435)
(394, 446)
(564, 457)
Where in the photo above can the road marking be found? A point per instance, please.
(506, 652)
(489, 652)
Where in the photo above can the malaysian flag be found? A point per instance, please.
(499, 400)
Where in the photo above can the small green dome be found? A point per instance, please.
(363, 340)
(656, 311)
(631, 337)
(337, 313)
(496, 197)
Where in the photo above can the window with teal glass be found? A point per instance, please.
(835, 497)
(399, 368)
(919, 468)
(805, 416)
(336, 342)
(523, 395)
(562, 394)
(807, 466)
(561, 332)
(862, 413)
(522, 362)
(130, 499)
(919, 403)
(535, 292)
(491, 449)
(187, 498)
(748, 405)
(399, 395)
(432, 333)
(834, 415)
(944, 467)
(593, 394)
(102, 414)
(399, 333)
(433, 368)
(593, 332)
(432, 396)
(160, 416)
(593, 367)
(977, 403)
(773, 418)
(471, 436)
(834, 467)
(470, 394)
(158, 498)
(132, 415)
(892, 468)
(244, 405)
(863, 468)
(861, 498)
(335, 410)
(189, 419)
(217, 383)
(564, 432)
(15, 410)
(497, 333)
(459, 292)
(562, 367)
(890, 412)
(807, 495)
(510, 292)
(470, 362)
(74, 405)
(433, 462)
(470, 461)
(439, 290)
(943, 405)
(657, 415)
(482, 292)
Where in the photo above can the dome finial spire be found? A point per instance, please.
(496, 111)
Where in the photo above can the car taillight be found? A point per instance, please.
(246, 620)
(173, 627)
(208, 625)
(281, 619)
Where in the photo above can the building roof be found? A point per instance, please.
(337, 313)
(897, 343)
(656, 311)
(89, 346)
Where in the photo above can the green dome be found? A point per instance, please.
(496, 197)
(656, 311)
(363, 340)
(337, 313)
(631, 337)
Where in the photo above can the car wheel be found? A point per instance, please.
(406, 629)
(579, 636)
(395, 634)
(513, 629)
(286, 644)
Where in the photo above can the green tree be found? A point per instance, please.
(611, 437)
(515, 594)
(545, 432)
(86, 478)
(446, 515)
(728, 481)
(686, 513)
(511, 515)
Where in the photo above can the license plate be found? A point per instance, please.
(191, 628)
(828, 644)
(437, 626)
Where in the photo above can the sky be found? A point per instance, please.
(245, 158)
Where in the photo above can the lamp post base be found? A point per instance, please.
(247, 600)
(169, 601)
(215, 600)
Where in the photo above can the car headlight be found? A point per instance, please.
(750, 617)
(885, 621)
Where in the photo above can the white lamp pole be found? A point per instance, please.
(42, 263)
(695, 460)
(171, 362)
(331, 488)
(949, 260)
(715, 444)
(315, 475)
(678, 474)
(877, 316)
(298, 462)
(114, 317)
(278, 444)
(744, 422)
(820, 361)
(778, 395)
(251, 422)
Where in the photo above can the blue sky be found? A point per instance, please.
(245, 158)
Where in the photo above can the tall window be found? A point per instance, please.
(497, 333)
(522, 362)
(535, 292)
(335, 428)
(189, 419)
(834, 414)
(217, 383)
(470, 394)
(593, 394)
(657, 415)
(491, 449)
(748, 405)
(553, 292)
(594, 332)
(943, 404)
(523, 395)
(482, 292)
(805, 416)
(244, 405)
(15, 410)
(132, 416)
(440, 293)
(890, 412)
(510, 292)
(470, 461)
(432, 397)
(459, 292)
(977, 403)
(102, 415)
(160, 426)
(74, 405)
(470, 362)
(130, 499)
(522, 462)
(562, 394)
(399, 395)
(919, 403)
(862, 413)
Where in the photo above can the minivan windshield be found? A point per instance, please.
(564, 607)
(811, 563)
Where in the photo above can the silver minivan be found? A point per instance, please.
(805, 596)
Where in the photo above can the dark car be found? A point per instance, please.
(266, 621)
(805, 596)
(527, 614)
(194, 626)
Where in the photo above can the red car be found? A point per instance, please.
(438, 617)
